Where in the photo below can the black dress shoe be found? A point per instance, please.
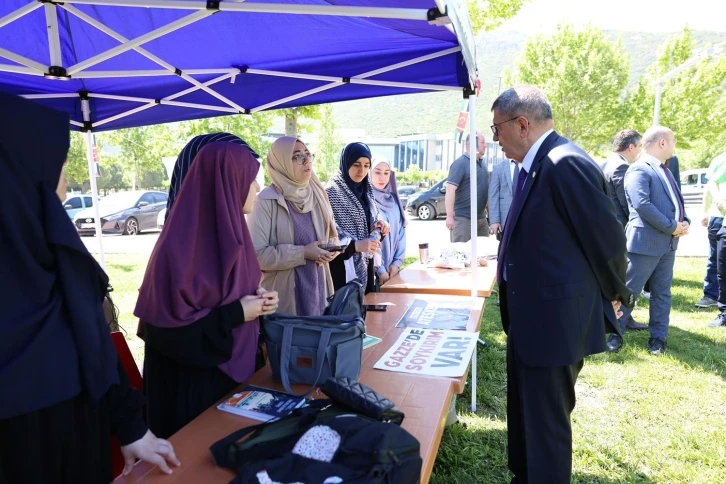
(615, 342)
(632, 325)
(656, 346)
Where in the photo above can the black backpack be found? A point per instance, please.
(370, 452)
(347, 300)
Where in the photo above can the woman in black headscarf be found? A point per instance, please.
(354, 208)
(64, 390)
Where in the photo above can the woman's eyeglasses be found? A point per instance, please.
(301, 159)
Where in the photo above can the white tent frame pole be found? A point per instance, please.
(149, 73)
(51, 96)
(410, 62)
(206, 85)
(474, 264)
(124, 114)
(405, 85)
(76, 123)
(90, 146)
(19, 70)
(110, 32)
(148, 37)
(337, 10)
(307, 93)
(22, 11)
(23, 60)
(51, 23)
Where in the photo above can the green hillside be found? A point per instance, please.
(437, 112)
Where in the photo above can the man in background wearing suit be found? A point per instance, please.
(500, 194)
(626, 149)
(657, 220)
(561, 275)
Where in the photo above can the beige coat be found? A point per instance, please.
(274, 240)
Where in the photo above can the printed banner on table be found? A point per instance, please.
(430, 352)
(436, 315)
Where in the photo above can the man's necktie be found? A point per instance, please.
(521, 177)
(676, 193)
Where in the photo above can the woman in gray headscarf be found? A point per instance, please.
(385, 192)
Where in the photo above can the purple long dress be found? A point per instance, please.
(309, 278)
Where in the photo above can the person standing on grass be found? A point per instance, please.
(458, 196)
(627, 146)
(657, 220)
(714, 207)
(561, 276)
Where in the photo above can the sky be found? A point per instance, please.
(539, 16)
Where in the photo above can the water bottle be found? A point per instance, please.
(376, 235)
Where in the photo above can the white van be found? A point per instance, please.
(693, 184)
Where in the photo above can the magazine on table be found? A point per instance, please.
(370, 340)
(436, 314)
(261, 403)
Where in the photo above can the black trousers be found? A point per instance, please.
(539, 403)
(721, 268)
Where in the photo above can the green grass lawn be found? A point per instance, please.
(638, 419)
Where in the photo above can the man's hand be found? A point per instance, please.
(721, 206)
(682, 229)
(450, 222)
(704, 221)
(495, 228)
(616, 307)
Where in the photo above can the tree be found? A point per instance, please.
(141, 149)
(112, 175)
(489, 14)
(77, 168)
(691, 102)
(327, 156)
(293, 116)
(584, 76)
(250, 127)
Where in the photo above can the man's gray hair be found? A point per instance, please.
(655, 134)
(527, 101)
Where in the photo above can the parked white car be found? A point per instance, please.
(76, 203)
(693, 185)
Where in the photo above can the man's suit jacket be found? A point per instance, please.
(614, 169)
(565, 260)
(675, 169)
(652, 212)
(500, 193)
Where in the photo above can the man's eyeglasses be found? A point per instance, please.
(495, 128)
(301, 159)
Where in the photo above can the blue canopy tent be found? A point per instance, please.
(114, 64)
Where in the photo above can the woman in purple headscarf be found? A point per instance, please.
(200, 300)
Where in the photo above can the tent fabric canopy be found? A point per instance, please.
(142, 62)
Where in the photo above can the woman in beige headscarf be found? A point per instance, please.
(290, 222)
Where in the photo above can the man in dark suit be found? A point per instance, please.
(657, 220)
(627, 146)
(561, 275)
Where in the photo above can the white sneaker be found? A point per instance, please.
(645, 295)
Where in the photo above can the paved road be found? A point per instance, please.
(695, 244)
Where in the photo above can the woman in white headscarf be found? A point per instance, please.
(291, 220)
(385, 192)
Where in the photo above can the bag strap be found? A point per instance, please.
(223, 451)
(285, 359)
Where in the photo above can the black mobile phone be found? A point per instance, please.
(376, 307)
(333, 248)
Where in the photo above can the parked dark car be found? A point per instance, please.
(429, 204)
(405, 192)
(126, 213)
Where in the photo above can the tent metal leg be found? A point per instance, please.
(90, 148)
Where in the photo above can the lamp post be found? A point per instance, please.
(707, 54)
